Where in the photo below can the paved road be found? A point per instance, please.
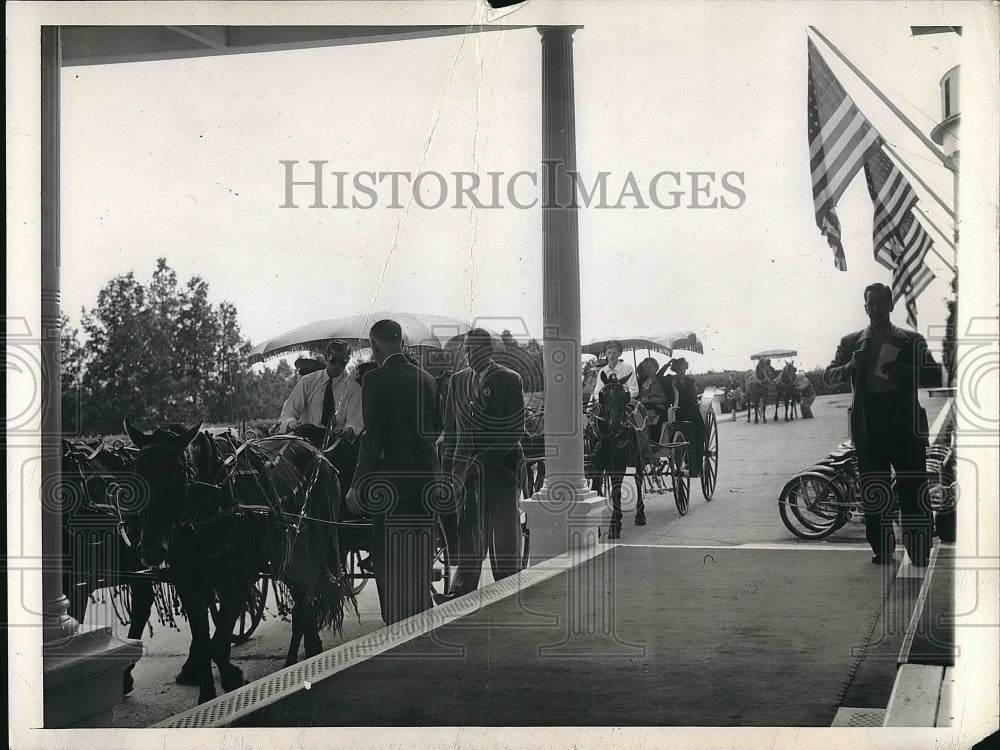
(755, 462)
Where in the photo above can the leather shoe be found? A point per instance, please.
(881, 559)
(440, 599)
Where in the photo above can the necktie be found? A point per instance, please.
(329, 405)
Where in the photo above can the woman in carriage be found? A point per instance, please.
(652, 396)
(685, 401)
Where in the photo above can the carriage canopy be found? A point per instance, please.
(773, 353)
(419, 330)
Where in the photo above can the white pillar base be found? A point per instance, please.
(83, 677)
(564, 519)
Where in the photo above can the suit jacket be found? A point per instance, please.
(487, 424)
(912, 353)
(399, 404)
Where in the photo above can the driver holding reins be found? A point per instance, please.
(325, 408)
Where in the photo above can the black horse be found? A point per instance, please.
(786, 391)
(759, 386)
(612, 442)
(100, 532)
(221, 515)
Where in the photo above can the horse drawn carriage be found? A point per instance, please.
(765, 383)
(617, 437)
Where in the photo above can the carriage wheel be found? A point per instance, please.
(710, 459)
(680, 475)
(538, 475)
(441, 565)
(354, 566)
(250, 618)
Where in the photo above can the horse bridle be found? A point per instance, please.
(612, 432)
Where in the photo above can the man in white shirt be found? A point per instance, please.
(617, 367)
(326, 405)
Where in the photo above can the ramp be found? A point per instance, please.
(624, 635)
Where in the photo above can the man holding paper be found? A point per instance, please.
(886, 365)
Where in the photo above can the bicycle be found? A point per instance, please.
(824, 497)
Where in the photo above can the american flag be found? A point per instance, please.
(893, 198)
(901, 243)
(840, 141)
(910, 276)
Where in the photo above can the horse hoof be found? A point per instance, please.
(640, 519)
(232, 679)
(127, 682)
(184, 677)
(614, 532)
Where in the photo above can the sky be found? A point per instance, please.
(182, 159)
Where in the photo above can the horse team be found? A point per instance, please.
(217, 515)
(764, 381)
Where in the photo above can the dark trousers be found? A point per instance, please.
(488, 521)
(403, 553)
(345, 460)
(892, 443)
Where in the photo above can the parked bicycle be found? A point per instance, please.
(824, 497)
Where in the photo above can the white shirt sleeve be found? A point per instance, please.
(350, 409)
(294, 406)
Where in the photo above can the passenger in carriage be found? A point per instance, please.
(685, 399)
(325, 406)
(652, 396)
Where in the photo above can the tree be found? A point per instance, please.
(265, 393)
(525, 359)
(160, 353)
(949, 345)
(72, 359)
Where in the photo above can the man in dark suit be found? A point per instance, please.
(397, 470)
(886, 365)
(484, 422)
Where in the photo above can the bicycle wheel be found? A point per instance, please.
(812, 506)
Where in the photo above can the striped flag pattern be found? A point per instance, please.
(841, 140)
(901, 243)
(911, 276)
(893, 198)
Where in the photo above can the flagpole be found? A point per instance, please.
(896, 157)
(944, 159)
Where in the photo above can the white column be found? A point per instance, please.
(564, 514)
(82, 667)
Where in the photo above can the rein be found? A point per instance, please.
(112, 491)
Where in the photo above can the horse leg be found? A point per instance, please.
(142, 606)
(616, 505)
(640, 509)
(313, 643)
(197, 670)
(230, 675)
(293, 646)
